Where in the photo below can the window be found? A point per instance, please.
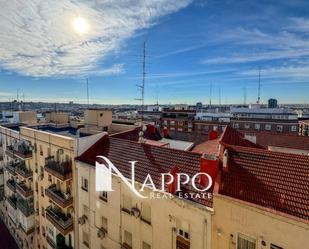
(279, 128)
(42, 191)
(272, 246)
(146, 245)
(245, 242)
(257, 126)
(268, 127)
(43, 212)
(104, 223)
(293, 128)
(236, 126)
(183, 234)
(103, 196)
(127, 203)
(172, 122)
(215, 128)
(86, 239)
(247, 126)
(128, 238)
(85, 184)
(41, 150)
(146, 213)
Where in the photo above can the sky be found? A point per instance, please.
(194, 50)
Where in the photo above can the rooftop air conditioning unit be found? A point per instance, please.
(82, 220)
(101, 233)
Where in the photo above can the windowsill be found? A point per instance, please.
(84, 189)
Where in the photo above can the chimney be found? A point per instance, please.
(209, 165)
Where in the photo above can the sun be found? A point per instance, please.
(80, 25)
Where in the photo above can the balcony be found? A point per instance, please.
(64, 223)
(11, 184)
(12, 201)
(24, 190)
(61, 170)
(10, 167)
(23, 171)
(25, 206)
(62, 199)
(126, 246)
(21, 150)
(50, 242)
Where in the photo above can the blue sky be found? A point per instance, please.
(191, 45)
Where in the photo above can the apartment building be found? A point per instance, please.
(39, 186)
(303, 128)
(272, 120)
(39, 177)
(178, 120)
(120, 219)
(260, 196)
(27, 117)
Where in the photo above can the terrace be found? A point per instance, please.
(21, 150)
(62, 199)
(24, 190)
(61, 170)
(63, 222)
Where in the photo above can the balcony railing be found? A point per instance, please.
(50, 242)
(62, 222)
(23, 189)
(23, 171)
(11, 184)
(11, 166)
(22, 150)
(25, 206)
(61, 170)
(12, 201)
(62, 199)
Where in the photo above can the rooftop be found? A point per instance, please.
(274, 180)
(151, 159)
(265, 139)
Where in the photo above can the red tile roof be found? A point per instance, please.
(278, 181)
(151, 159)
(231, 136)
(134, 134)
(281, 140)
(210, 147)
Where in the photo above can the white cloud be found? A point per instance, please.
(256, 45)
(37, 38)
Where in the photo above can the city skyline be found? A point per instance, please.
(224, 45)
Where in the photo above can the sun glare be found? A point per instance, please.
(80, 25)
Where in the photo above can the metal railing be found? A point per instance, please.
(59, 197)
(62, 170)
(59, 218)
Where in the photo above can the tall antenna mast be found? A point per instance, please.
(220, 96)
(142, 86)
(87, 85)
(210, 94)
(259, 87)
(157, 94)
